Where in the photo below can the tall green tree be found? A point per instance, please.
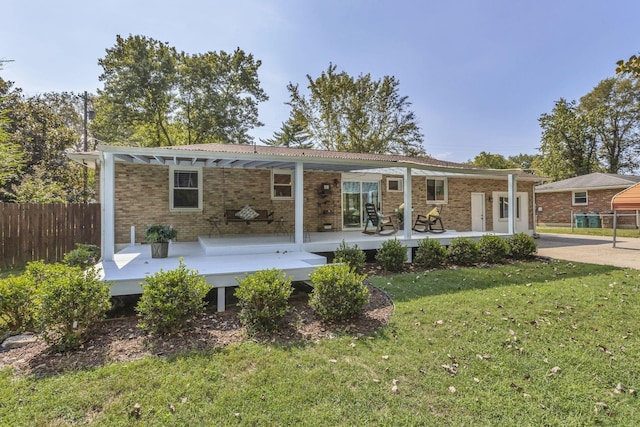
(630, 66)
(568, 145)
(613, 107)
(524, 161)
(492, 161)
(41, 128)
(360, 114)
(154, 95)
(292, 134)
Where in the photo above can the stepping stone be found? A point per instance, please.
(18, 341)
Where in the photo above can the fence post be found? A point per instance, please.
(573, 218)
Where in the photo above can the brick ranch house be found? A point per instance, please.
(558, 202)
(188, 186)
(309, 202)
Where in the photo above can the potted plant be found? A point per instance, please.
(158, 235)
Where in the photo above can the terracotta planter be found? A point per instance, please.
(160, 250)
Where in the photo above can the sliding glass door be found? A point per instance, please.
(355, 194)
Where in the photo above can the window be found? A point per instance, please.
(437, 190)
(395, 184)
(185, 192)
(580, 198)
(504, 207)
(281, 184)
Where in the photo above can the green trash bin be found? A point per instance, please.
(594, 220)
(581, 220)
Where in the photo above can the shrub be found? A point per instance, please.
(338, 292)
(263, 298)
(70, 303)
(492, 249)
(392, 255)
(82, 256)
(354, 257)
(522, 245)
(462, 251)
(430, 253)
(17, 298)
(170, 299)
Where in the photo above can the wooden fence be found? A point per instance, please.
(33, 231)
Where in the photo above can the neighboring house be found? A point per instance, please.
(187, 185)
(558, 202)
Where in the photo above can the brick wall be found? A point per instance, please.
(456, 213)
(142, 197)
(557, 207)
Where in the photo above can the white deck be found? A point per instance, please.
(223, 259)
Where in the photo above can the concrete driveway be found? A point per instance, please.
(591, 249)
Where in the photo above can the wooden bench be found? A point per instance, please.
(263, 216)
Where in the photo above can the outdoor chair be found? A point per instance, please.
(431, 222)
(379, 221)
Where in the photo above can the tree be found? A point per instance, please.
(359, 115)
(614, 108)
(292, 134)
(40, 129)
(524, 161)
(492, 161)
(630, 66)
(11, 158)
(154, 95)
(568, 146)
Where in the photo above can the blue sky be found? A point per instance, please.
(478, 72)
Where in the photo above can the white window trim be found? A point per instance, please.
(573, 198)
(282, 172)
(400, 182)
(518, 207)
(172, 170)
(446, 190)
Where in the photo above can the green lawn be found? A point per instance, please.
(624, 232)
(527, 344)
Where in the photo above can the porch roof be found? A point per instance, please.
(268, 157)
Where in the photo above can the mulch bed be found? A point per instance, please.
(120, 339)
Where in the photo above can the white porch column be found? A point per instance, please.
(299, 204)
(107, 205)
(615, 226)
(512, 186)
(408, 208)
(408, 211)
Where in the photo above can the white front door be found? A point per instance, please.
(478, 222)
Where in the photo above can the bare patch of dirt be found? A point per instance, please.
(120, 340)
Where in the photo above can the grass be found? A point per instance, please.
(624, 232)
(534, 343)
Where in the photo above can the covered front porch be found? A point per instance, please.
(220, 260)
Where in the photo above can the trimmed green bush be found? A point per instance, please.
(17, 299)
(338, 292)
(354, 257)
(522, 245)
(263, 298)
(392, 255)
(430, 254)
(170, 299)
(71, 302)
(493, 249)
(462, 251)
(82, 256)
